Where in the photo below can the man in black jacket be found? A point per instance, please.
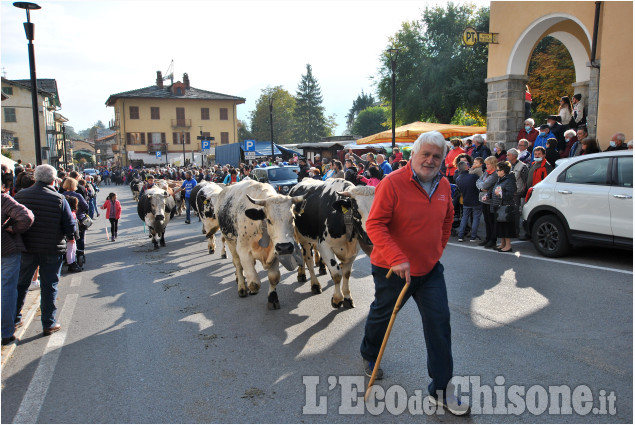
(558, 130)
(351, 172)
(46, 242)
(304, 169)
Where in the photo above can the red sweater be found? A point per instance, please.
(405, 225)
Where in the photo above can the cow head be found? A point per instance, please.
(157, 204)
(358, 199)
(277, 213)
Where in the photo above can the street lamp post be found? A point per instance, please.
(393, 53)
(271, 125)
(29, 29)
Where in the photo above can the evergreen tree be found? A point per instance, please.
(310, 123)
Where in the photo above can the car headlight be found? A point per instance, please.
(285, 189)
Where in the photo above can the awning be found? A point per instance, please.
(408, 133)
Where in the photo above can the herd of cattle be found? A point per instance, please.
(258, 224)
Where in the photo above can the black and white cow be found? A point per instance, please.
(257, 224)
(135, 187)
(156, 207)
(206, 201)
(333, 221)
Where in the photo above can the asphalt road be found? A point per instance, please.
(161, 336)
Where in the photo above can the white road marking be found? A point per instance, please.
(29, 409)
(551, 260)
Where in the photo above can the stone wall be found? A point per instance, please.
(505, 108)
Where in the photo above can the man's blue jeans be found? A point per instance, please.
(50, 269)
(430, 294)
(187, 209)
(10, 273)
(470, 215)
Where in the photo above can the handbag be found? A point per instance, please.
(505, 213)
(86, 222)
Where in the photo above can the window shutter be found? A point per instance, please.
(187, 138)
(204, 113)
(163, 140)
(175, 138)
(150, 139)
(128, 138)
(223, 114)
(143, 138)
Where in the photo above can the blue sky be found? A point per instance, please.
(97, 48)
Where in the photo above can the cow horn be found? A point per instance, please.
(260, 202)
(297, 199)
(345, 194)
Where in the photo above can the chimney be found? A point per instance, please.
(186, 81)
(159, 80)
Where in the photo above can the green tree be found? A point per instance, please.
(362, 102)
(70, 132)
(310, 123)
(435, 73)
(371, 120)
(283, 116)
(551, 75)
(243, 132)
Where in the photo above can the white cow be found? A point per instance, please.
(207, 202)
(156, 207)
(257, 224)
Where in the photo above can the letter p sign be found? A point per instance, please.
(250, 145)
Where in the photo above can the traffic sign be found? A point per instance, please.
(250, 155)
(205, 145)
(250, 146)
(158, 154)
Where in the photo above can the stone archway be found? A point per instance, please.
(505, 100)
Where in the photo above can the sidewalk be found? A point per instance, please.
(31, 307)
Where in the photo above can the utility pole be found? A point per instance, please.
(271, 125)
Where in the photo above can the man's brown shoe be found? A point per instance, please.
(52, 330)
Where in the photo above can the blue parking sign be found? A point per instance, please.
(205, 145)
(158, 154)
(250, 146)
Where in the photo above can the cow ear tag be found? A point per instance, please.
(344, 209)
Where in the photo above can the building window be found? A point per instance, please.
(205, 113)
(176, 138)
(135, 138)
(223, 114)
(134, 112)
(16, 144)
(179, 91)
(224, 138)
(8, 90)
(9, 115)
(154, 113)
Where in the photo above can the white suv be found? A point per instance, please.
(587, 199)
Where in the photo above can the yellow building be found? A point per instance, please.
(170, 119)
(599, 37)
(17, 120)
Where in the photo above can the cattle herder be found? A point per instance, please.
(409, 224)
(187, 186)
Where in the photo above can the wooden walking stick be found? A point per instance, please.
(387, 335)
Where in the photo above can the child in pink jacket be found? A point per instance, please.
(113, 213)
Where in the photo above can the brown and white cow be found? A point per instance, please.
(333, 222)
(257, 224)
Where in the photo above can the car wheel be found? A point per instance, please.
(550, 237)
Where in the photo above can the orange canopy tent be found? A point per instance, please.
(408, 133)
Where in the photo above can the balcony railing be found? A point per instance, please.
(181, 123)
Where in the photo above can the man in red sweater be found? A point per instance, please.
(409, 223)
